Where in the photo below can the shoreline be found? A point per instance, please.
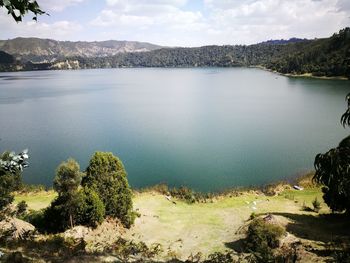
(304, 75)
(180, 191)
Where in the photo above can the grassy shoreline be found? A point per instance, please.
(183, 229)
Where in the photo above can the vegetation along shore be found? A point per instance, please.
(327, 57)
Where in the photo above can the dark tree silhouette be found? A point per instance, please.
(345, 119)
(333, 171)
(18, 8)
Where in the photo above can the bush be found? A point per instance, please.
(252, 216)
(316, 204)
(56, 216)
(125, 249)
(262, 237)
(87, 210)
(306, 208)
(107, 177)
(184, 193)
(91, 210)
(36, 218)
(29, 188)
(21, 208)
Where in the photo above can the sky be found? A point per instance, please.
(185, 23)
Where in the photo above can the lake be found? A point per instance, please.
(206, 128)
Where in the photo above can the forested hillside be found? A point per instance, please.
(323, 57)
(320, 57)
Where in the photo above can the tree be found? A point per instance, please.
(18, 8)
(11, 167)
(66, 184)
(68, 177)
(106, 175)
(333, 171)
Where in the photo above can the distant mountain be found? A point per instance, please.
(318, 57)
(48, 50)
(284, 41)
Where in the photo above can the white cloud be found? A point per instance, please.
(145, 13)
(119, 3)
(188, 22)
(58, 5)
(153, 20)
(168, 22)
(60, 30)
(252, 21)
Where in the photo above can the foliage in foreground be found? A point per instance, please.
(11, 166)
(333, 171)
(17, 9)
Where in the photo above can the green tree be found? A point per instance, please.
(333, 171)
(18, 8)
(68, 177)
(66, 184)
(106, 175)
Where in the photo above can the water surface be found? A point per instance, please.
(208, 128)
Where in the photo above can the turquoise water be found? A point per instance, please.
(207, 128)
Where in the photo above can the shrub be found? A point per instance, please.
(184, 193)
(125, 249)
(36, 218)
(107, 177)
(219, 257)
(56, 217)
(262, 237)
(87, 209)
(316, 204)
(252, 216)
(21, 208)
(90, 210)
(29, 188)
(306, 208)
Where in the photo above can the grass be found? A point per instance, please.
(186, 229)
(208, 227)
(36, 200)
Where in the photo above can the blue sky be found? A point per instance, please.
(182, 22)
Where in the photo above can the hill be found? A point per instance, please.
(48, 50)
(329, 57)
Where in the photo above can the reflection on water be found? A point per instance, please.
(206, 128)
